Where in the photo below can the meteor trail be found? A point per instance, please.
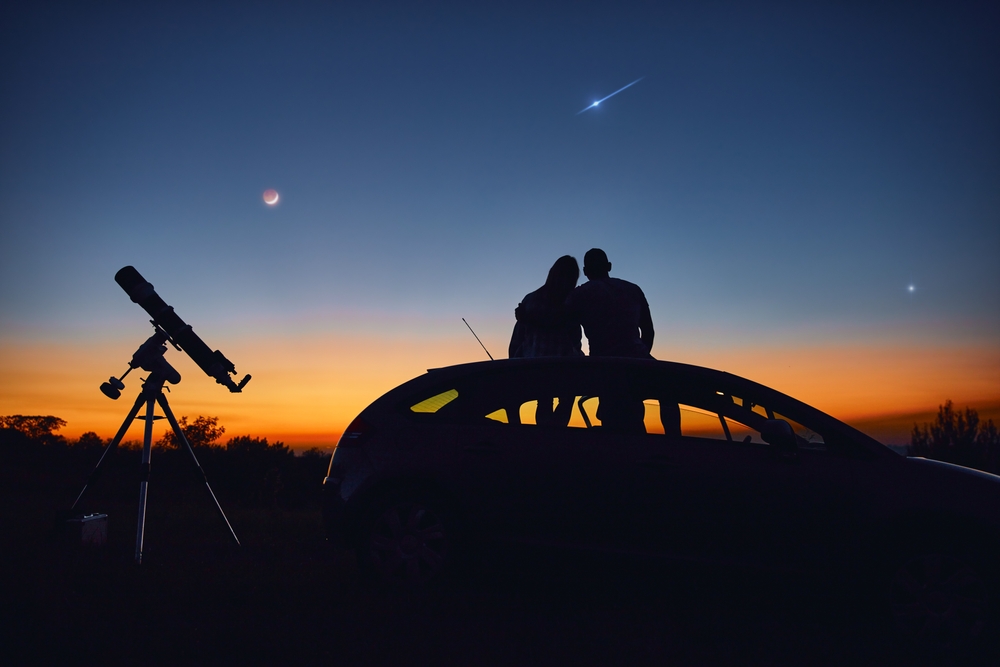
(591, 106)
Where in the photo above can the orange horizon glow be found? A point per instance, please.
(307, 387)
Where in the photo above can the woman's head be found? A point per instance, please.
(562, 277)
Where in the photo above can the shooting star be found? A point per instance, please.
(591, 106)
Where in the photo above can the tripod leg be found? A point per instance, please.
(180, 436)
(147, 442)
(112, 446)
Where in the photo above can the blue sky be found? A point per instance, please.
(782, 173)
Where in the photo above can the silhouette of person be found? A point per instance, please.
(545, 329)
(616, 319)
(614, 312)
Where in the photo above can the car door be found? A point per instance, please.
(515, 470)
(448, 448)
(803, 506)
(722, 493)
(552, 466)
(611, 476)
(633, 492)
(681, 487)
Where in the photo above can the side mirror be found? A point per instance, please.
(779, 433)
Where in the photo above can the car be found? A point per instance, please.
(661, 460)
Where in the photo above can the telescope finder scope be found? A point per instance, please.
(215, 364)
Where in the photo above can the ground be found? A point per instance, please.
(287, 597)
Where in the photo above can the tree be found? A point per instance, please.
(959, 437)
(38, 428)
(202, 432)
(315, 453)
(244, 444)
(90, 440)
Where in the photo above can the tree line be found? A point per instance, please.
(958, 437)
(249, 470)
(261, 473)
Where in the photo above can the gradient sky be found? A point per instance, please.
(776, 183)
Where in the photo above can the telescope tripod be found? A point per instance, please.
(151, 394)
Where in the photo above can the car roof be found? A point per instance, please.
(436, 377)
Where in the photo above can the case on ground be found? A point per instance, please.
(88, 530)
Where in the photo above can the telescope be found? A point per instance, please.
(174, 329)
(169, 327)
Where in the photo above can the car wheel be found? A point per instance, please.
(407, 542)
(939, 600)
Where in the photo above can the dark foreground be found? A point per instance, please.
(285, 598)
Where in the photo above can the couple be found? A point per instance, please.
(613, 312)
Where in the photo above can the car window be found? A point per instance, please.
(717, 415)
(585, 410)
(696, 422)
(634, 404)
(748, 404)
(579, 412)
(436, 402)
(655, 403)
(742, 433)
(554, 411)
(499, 416)
(528, 412)
(700, 423)
(651, 416)
(807, 438)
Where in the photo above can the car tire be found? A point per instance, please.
(941, 599)
(407, 540)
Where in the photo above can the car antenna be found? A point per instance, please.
(480, 342)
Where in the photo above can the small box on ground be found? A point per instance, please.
(89, 530)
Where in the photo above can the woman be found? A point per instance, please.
(545, 329)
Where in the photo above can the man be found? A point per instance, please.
(614, 312)
(615, 317)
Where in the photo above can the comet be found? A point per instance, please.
(591, 106)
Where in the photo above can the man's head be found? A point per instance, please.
(596, 264)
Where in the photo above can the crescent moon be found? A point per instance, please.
(271, 197)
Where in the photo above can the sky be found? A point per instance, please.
(809, 196)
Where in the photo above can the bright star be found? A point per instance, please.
(912, 288)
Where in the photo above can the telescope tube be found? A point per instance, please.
(214, 363)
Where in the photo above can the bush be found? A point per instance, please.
(256, 469)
